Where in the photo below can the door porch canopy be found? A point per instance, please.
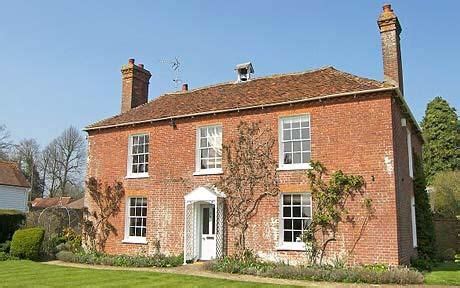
(200, 195)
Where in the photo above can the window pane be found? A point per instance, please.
(203, 132)
(288, 147)
(141, 168)
(141, 158)
(297, 158)
(304, 123)
(135, 140)
(296, 147)
(204, 164)
(305, 133)
(203, 143)
(205, 222)
(286, 199)
(306, 212)
(131, 231)
(204, 153)
(296, 134)
(134, 170)
(147, 139)
(132, 201)
(132, 211)
(287, 236)
(287, 212)
(287, 135)
(306, 199)
(135, 159)
(138, 211)
(296, 199)
(296, 211)
(306, 145)
(288, 224)
(146, 159)
(306, 157)
(141, 139)
(146, 168)
(287, 158)
(138, 231)
(297, 224)
(297, 236)
(132, 221)
(143, 232)
(286, 124)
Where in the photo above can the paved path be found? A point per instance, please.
(197, 269)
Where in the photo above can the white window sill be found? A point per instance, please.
(208, 172)
(291, 246)
(136, 176)
(294, 167)
(134, 241)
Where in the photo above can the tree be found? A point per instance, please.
(330, 199)
(26, 154)
(105, 204)
(441, 131)
(5, 142)
(250, 176)
(423, 215)
(71, 157)
(445, 195)
(50, 168)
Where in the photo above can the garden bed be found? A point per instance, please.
(157, 260)
(372, 274)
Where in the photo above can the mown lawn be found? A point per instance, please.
(31, 274)
(444, 274)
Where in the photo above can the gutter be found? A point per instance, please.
(254, 107)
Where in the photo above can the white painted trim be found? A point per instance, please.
(298, 166)
(247, 108)
(129, 158)
(198, 170)
(294, 246)
(409, 152)
(414, 223)
(133, 239)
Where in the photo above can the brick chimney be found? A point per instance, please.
(389, 32)
(135, 85)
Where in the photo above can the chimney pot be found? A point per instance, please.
(185, 87)
(141, 66)
(131, 60)
(387, 8)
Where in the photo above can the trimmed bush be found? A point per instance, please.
(10, 221)
(26, 243)
(157, 260)
(372, 274)
(5, 256)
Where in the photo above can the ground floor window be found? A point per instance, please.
(136, 224)
(295, 217)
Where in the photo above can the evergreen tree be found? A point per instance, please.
(426, 245)
(441, 129)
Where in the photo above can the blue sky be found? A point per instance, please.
(61, 60)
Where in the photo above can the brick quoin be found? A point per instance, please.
(360, 134)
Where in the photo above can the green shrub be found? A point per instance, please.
(10, 221)
(5, 256)
(157, 260)
(5, 247)
(26, 243)
(375, 274)
(422, 264)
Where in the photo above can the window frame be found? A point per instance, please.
(296, 246)
(127, 237)
(129, 173)
(296, 166)
(198, 169)
(409, 152)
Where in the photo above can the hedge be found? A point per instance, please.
(26, 243)
(10, 221)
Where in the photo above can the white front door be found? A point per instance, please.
(208, 232)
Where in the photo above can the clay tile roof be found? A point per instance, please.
(268, 90)
(11, 175)
(77, 204)
(50, 202)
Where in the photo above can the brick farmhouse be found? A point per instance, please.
(167, 152)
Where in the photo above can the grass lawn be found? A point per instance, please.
(31, 274)
(444, 274)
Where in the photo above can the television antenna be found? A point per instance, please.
(175, 66)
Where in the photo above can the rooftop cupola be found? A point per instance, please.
(244, 71)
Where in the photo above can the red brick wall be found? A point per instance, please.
(404, 182)
(351, 134)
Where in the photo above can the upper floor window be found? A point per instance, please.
(295, 142)
(209, 149)
(138, 156)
